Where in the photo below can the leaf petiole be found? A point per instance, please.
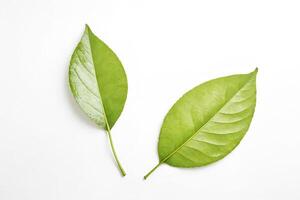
(115, 154)
(152, 170)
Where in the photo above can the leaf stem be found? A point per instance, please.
(152, 170)
(115, 154)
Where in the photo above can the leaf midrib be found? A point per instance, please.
(101, 103)
(176, 150)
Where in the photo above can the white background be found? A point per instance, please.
(49, 150)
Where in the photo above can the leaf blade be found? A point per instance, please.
(207, 122)
(206, 152)
(97, 78)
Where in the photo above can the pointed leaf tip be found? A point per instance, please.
(254, 71)
(87, 27)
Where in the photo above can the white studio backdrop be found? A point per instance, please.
(49, 150)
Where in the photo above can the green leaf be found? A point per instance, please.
(208, 122)
(98, 83)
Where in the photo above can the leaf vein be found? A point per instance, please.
(186, 157)
(84, 84)
(84, 66)
(92, 106)
(209, 143)
(235, 113)
(232, 122)
(195, 149)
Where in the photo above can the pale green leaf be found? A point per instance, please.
(98, 82)
(208, 122)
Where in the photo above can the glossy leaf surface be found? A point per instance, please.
(208, 122)
(98, 82)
